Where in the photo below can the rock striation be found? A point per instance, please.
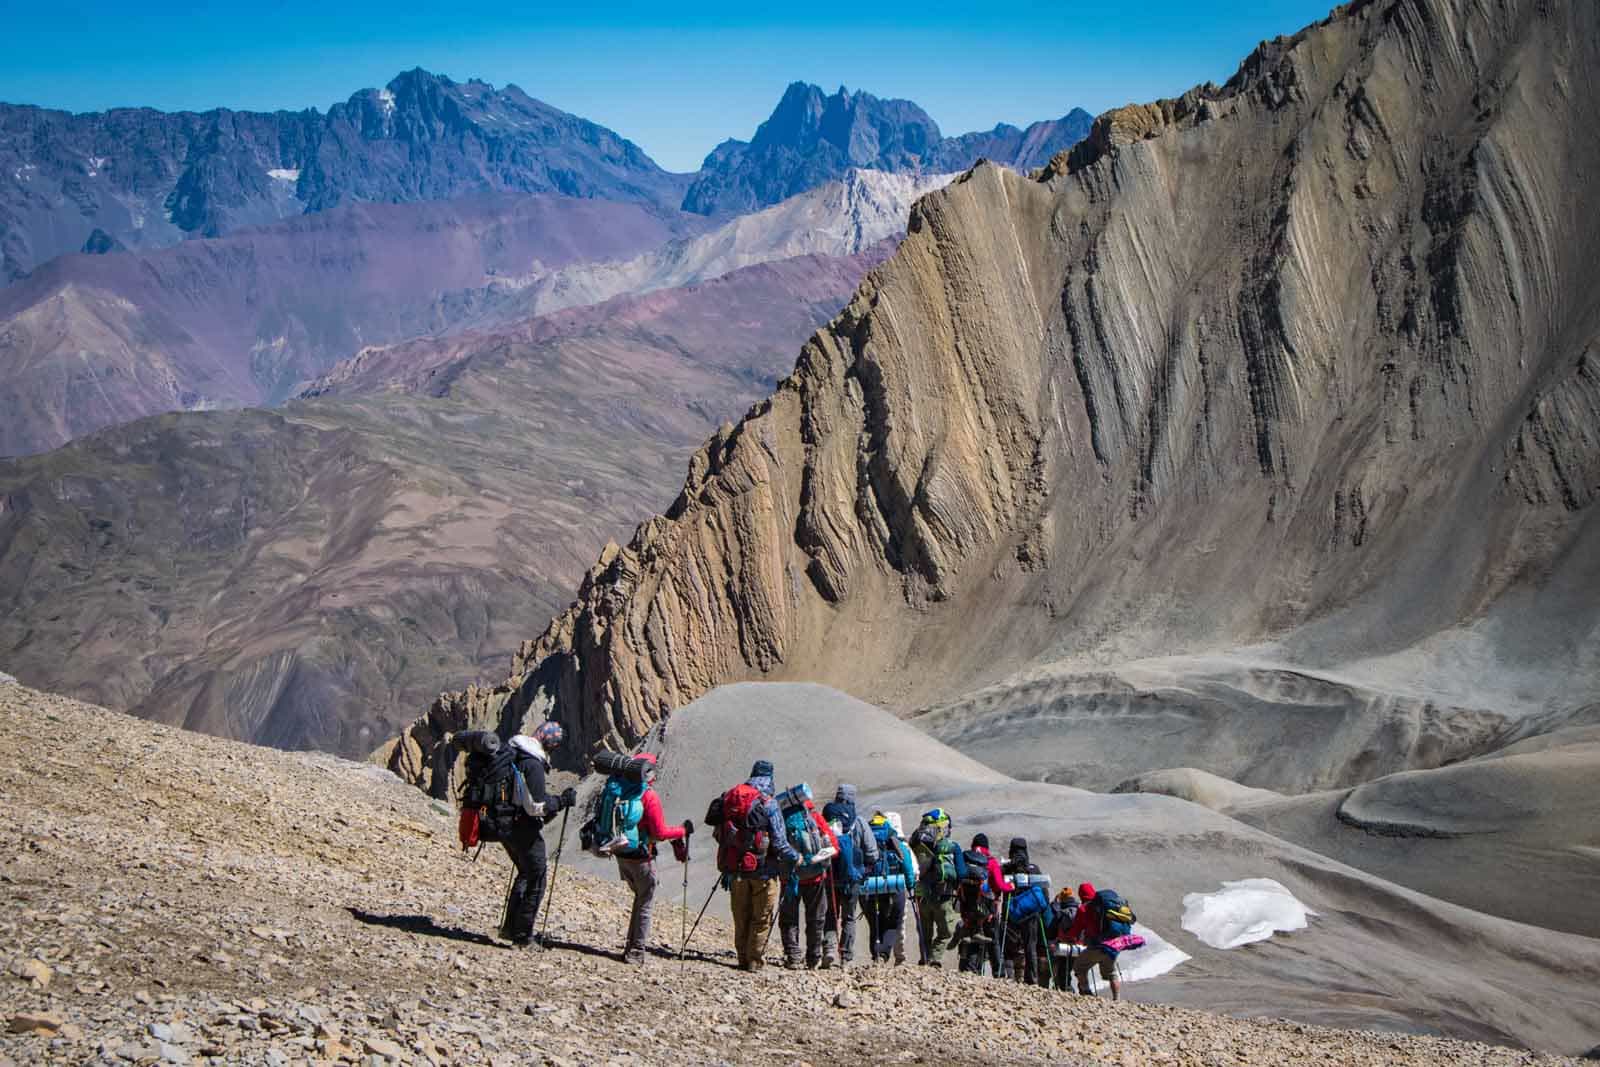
(1307, 359)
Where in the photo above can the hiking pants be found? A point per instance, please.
(885, 912)
(1062, 966)
(938, 923)
(1087, 960)
(640, 874)
(526, 849)
(814, 898)
(839, 936)
(753, 900)
(1029, 960)
(976, 951)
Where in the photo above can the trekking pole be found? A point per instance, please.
(715, 886)
(684, 924)
(1000, 944)
(555, 870)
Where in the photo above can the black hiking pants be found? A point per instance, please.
(981, 949)
(885, 912)
(526, 849)
(1028, 952)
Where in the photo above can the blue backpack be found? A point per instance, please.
(1028, 903)
(1116, 918)
(847, 868)
(888, 876)
(617, 821)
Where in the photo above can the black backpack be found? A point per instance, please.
(975, 896)
(491, 784)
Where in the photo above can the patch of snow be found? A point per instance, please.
(286, 174)
(386, 101)
(1252, 909)
(95, 163)
(6, 679)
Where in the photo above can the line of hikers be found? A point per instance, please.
(808, 871)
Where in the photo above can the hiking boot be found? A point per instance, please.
(634, 956)
(791, 965)
(827, 963)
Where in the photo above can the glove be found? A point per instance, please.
(688, 828)
(680, 849)
(569, 797)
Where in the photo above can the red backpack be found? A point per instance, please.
(742, 830)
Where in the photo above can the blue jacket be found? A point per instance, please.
(780, 855)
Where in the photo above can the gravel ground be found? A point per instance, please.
(170, 897)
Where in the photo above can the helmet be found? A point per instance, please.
(549, 734)
(937, 817)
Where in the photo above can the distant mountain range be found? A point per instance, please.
(140, 178)
(813, 138)
(136, 178)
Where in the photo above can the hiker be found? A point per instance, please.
(1027, 915)
(980, 900)
(525, 843)
(883, 893)
(629, 825)
(839, 936)
(1104, 923)
(942, 868)
(808, 883)
(1064, 913)
(751, 844)
(911, 886)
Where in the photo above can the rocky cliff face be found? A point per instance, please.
(813, 138)
(1307, 359)
(147, 179)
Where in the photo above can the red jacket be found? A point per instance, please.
(1085, 929)
(653, 823)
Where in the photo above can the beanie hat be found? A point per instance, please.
(1086, 892)
(762, 768)
(980, 840)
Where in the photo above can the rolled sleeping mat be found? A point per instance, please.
(629, 768)
(1022, 880)
(794, 797)
(482, 742)
(879, 884)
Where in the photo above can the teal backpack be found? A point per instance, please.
(806, 837)
(617, 821)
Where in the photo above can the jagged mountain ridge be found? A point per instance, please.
(1309, 359)
(141, 178)
(812, 137)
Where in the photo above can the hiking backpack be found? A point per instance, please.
(848, 870)
(1028, 903)
(1116, 918)
(741, 830)
(889, 875)
(937, 855)
(616, 830)
(974, 893)
(806, 836)
(492, 791)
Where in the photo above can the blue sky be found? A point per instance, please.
(674, 80)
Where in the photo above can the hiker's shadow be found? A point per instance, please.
(555, 944)
(420, 924)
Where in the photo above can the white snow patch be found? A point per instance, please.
(1252, 909)
(286, 174)
(95, 163)
(386, 101)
